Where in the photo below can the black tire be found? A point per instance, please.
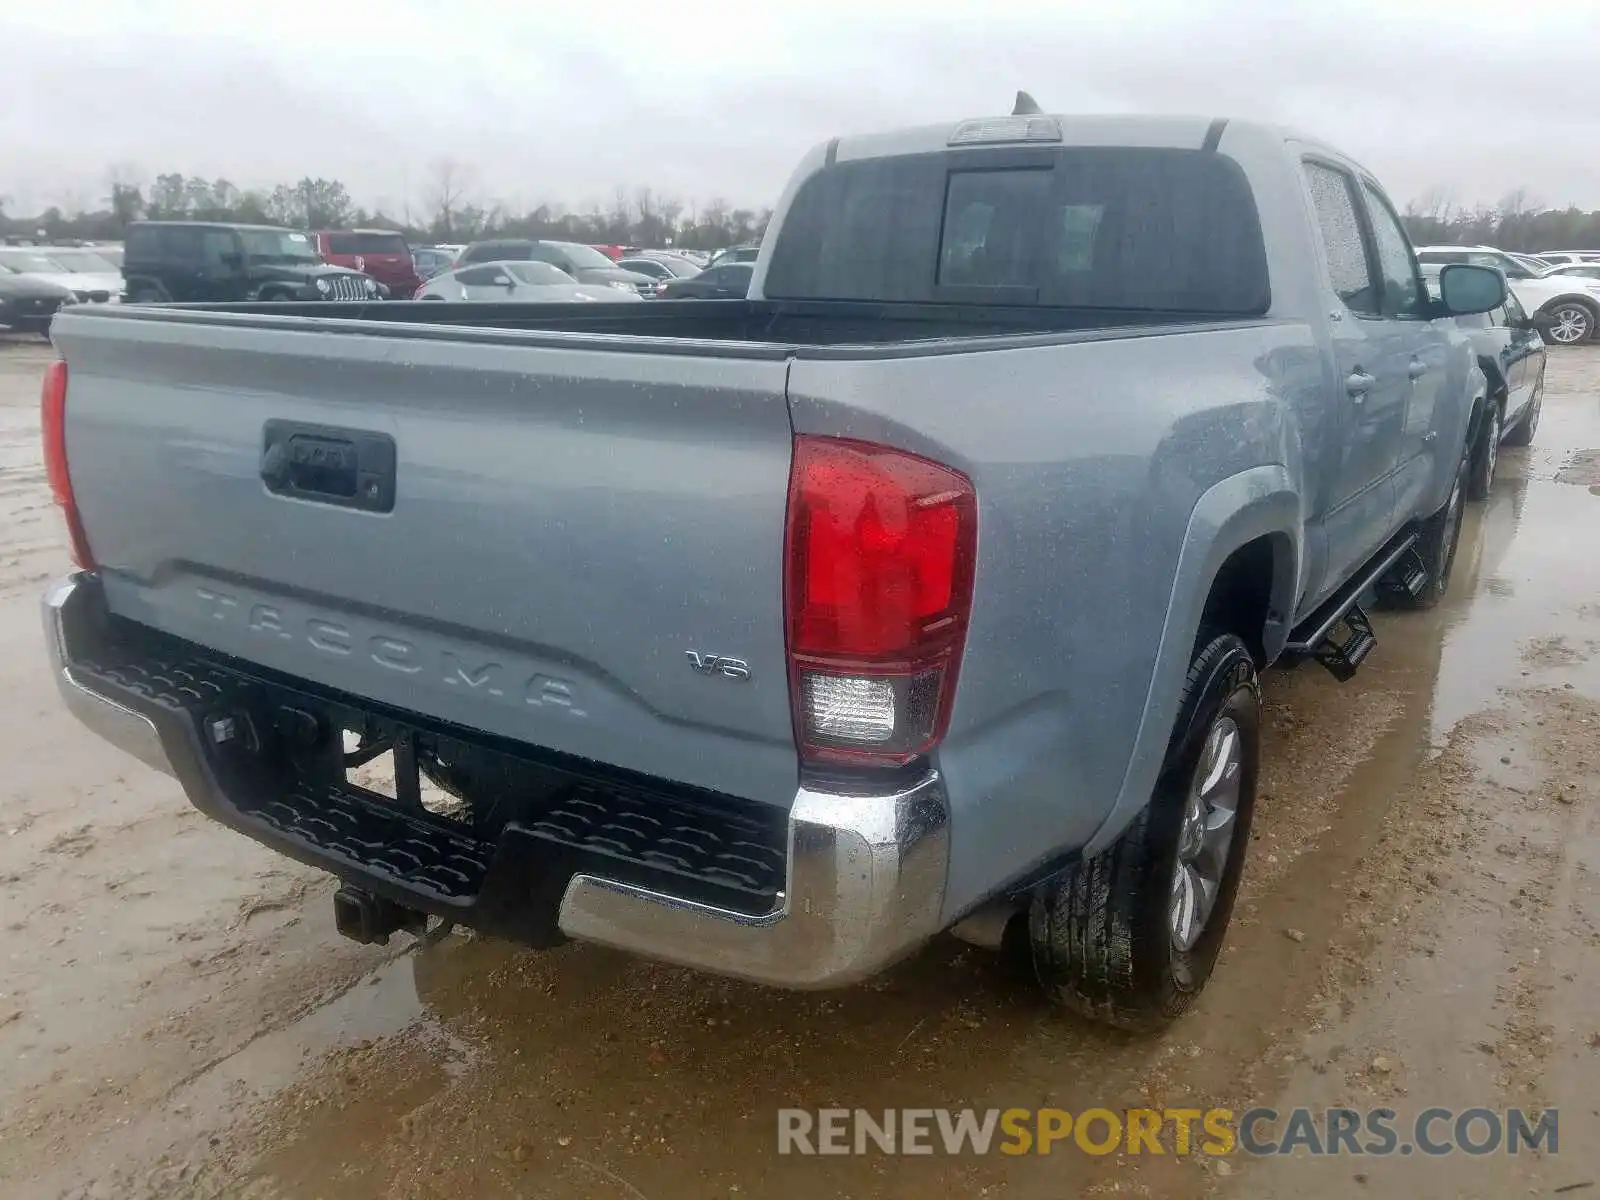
(1486, 453)
(1521, 434)
(1441, 534)
(1102, 934)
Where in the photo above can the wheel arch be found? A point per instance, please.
(1252, 594)
(1234, 527)
(1588, 303)
(1493, 375)
(133, 283)
(1578, 298)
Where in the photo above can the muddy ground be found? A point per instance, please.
(1419, 925)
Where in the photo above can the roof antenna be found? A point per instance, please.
(1026, 106)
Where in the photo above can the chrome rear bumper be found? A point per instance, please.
(67, 604)
(864, 884)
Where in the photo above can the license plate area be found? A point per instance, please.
(439, 814)
(386, 768)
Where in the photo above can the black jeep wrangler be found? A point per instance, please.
(203, 261)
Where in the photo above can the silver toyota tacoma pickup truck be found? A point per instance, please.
(925, 589)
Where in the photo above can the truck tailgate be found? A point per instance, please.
(570, 527)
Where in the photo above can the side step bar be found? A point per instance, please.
(1339, 634)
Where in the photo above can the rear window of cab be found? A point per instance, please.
(1119, 228)
(366, 243)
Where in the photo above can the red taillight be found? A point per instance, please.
(879, 559)
(53, 426)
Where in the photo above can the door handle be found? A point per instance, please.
(1358, 383)
(1417, 369)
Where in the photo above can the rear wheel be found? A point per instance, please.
(1521, 434)
(1441, 534)
(1130, 936)
(1569, 323)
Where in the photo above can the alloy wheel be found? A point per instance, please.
(1206, 834)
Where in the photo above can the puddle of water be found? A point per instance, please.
(383, 1005)
(1525, 572)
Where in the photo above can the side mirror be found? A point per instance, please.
(1466, 290)
(504, 281)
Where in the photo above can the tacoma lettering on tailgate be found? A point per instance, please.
(455, 668)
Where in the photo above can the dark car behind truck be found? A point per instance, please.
(29, 305)
(209, 262)
(924, 589)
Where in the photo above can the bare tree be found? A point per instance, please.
(126, 200)
(1516, 204)
(671, 210)
(619, 217)
(1435, 204)
(448, 183)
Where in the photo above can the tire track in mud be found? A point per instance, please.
(30, 544)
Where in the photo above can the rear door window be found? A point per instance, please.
(1339, 224)
(217, 247)
(184, 243)
(645, 266)
(142, 241)
(554, 256)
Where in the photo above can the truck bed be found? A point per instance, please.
(747, 327)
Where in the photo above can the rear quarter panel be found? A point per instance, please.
(1113, 476)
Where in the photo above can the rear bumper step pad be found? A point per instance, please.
(824, 894)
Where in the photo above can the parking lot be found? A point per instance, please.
(1419, 925)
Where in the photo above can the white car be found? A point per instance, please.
(1565, 307)
(1581, 270)
(90, 278)
(524, 282)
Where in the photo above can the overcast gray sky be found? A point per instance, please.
(562, 101)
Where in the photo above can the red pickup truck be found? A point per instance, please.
(380, 253)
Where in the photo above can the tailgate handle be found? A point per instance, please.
(349, 468)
